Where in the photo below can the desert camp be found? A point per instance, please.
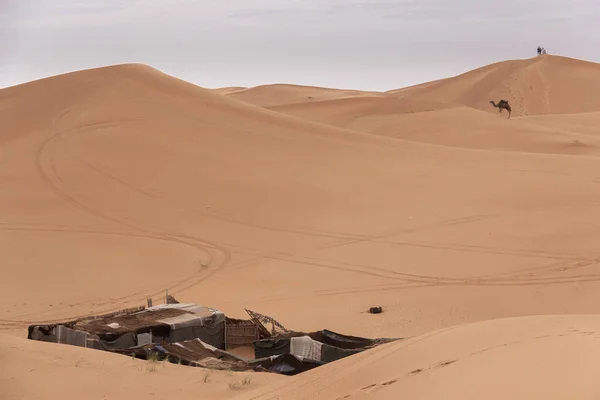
(408, 260)
(299, 200)
(193, 335)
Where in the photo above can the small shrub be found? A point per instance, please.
(152, 361)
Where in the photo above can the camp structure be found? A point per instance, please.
(195, 353)
(165, 323)
(199, 336)
(288, 353)
(320, 347)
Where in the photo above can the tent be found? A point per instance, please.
(323, 346)
(202, 337)
(165, 323)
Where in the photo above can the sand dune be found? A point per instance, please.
(541, 357)
(278, 94)
(464, 127)
(542, 85)
(32, 370)
(121, 182)
(350, 112)
(229, 90)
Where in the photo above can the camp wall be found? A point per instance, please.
(240, 332)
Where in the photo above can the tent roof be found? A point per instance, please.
(164, 316)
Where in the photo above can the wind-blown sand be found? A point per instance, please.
(120, 182)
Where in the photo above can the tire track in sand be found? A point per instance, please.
(48, 174)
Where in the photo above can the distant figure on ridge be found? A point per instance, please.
(502, 105)
(539, 50)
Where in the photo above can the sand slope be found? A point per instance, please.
(349, 112)
(541, 85)
(549, 85)
(541, 357)
(463, 127)
(143, 170)
(278, 94)
(230, 89)
(120, 182)
(34, 370)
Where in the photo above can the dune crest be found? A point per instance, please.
(279, 94)
(230, 89)
(542, 85)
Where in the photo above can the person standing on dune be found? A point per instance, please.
(539, 51)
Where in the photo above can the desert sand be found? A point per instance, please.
(476, 233)
(542, 357)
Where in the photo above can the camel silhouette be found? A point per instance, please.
(502, 105)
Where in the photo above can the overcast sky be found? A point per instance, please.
(363, 44)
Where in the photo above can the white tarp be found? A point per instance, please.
(306, 348)
(182, 321)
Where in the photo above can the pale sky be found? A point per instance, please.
(362, 44)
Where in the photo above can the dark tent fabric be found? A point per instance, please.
(42, 333)
(211, 334)
(332, 353)
(342, 341)
(334, 346)
(124, 341)
(195, 350)
(138, 322)
(192, 352)
(331, 338)
(285, 364)
(121, 330)
(271, 347)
